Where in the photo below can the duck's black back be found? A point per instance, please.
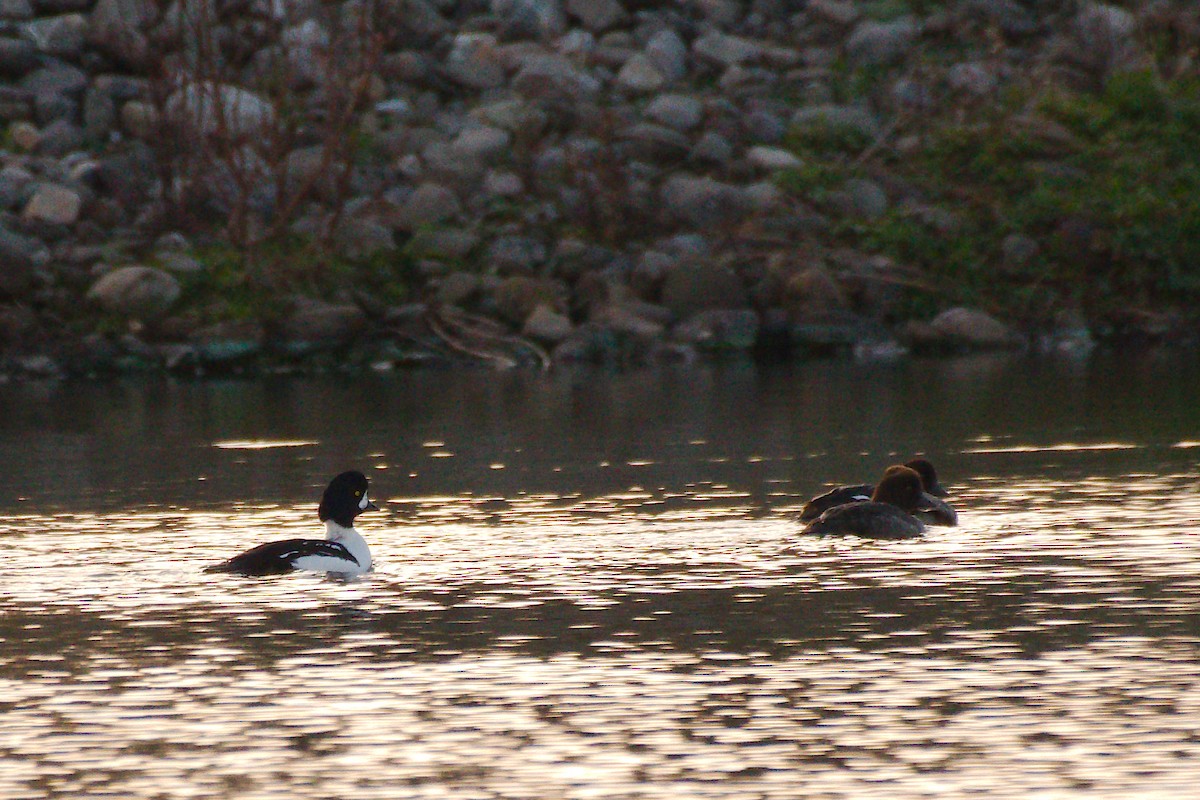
(276, 558)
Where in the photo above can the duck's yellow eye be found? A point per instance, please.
(358, 494)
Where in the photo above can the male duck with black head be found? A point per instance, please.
(342, 553)
(939, 513)
(888, 514)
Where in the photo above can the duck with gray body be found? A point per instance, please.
(940, 513)
(343, 551)
(888, 514)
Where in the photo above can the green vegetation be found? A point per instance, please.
(240, 285)
(1107, 184)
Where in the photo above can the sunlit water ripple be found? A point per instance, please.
(667, 640)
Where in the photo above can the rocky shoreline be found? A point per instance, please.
(205, 187)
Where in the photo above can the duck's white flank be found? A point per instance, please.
(348, 538)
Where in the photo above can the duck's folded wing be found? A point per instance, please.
(274, 558)
(835, 497)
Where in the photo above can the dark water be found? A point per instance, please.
(590, 585)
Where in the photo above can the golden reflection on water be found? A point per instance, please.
(647, 643)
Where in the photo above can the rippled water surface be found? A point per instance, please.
(591, 585)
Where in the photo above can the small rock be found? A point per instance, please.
(15, 185)
(361, 237)
(1018, 251)
(56, 79)
(447, 243)
(179, 262)
(711, 148)
(99, 114)
(516, 298)
(1010, 16)
(973, 328)
(429, 204)
(16, 10)
(547, 325)
(458, 287)
(838, 12)
(53, 204)
(655, 142)
(701, 201)
(60, 35)
(139, 119)
(140, 292)
(861, 197)
(590, 343)
(515, 254)
(692, 286)
(677, 111)
(596, 15)
(41, 366)
(763, 197)
(639, 74)
(772, 158)
(227, 341)
(882, 42)
(318, 322)
(116, 27)
(553, 76)
(16, 322)
(18, 58)
(474, 61)
(60, 137)
(482, 142)
(812, 294)
(529, 19)
(853, 119)
(727, 50)
(622, 319)
(972, 77)
(209, 108)
(764, 127)
(25, 136)
(719, 329)
(444, 162)
(20, 256)
(667, 51)
(836, 331)
(514, 116)
(500, 183)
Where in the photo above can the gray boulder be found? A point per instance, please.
(882, 42)
(18, 57)
(727, 50)
(20, 257)
(140, 292)
(970, 327)
(639, 74)
(677, 111)
(692, 286)
(320, 323)
(553, 76)
(60, 35)
(208, 108)
(667, 51)
(701, 201)
(545, 324)
(53, 204)
(474, 61)
(429, 204)
(596, 15)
